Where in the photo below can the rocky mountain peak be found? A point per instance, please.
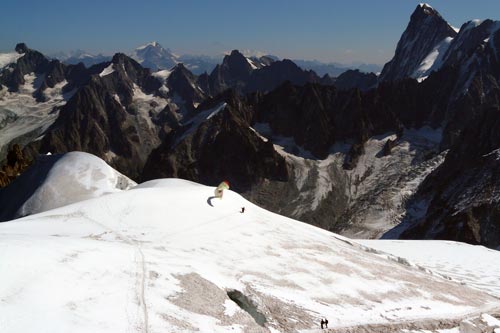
(426, 12)
(21, 48)
(120, 58)
(423, 10)
(237, 63)
(183, 83)
(180, 68)
(427, 31)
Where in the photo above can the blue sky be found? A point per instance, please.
(328, 30)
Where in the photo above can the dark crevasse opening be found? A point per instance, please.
(246, 305)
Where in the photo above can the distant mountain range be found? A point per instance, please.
(154, 56)
(410, 153)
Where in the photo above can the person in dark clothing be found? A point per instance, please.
(326, 323)
(322, 323)
(242, 210)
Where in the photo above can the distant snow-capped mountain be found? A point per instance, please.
(155, 57)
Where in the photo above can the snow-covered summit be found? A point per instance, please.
(154, 56)
(168, 256)
(424, 5)
(153, 44)
(58, 180)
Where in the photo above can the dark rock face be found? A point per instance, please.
(303, 113)
(424, 32)
(31, 62)
(21, 48)
(183, 83)
(16, 163)
(245, 75)
(32, 176)
(462, 194)
(318, 116)
(101, 118)
(233, 73)
(355, 79)
(217, 145)
(474, 52)
(270, 77)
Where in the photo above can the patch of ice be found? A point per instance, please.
(251, 63)
(162, 75)
(108, 70)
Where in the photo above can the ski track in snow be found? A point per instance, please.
(140, 266)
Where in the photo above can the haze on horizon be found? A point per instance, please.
(358, 31)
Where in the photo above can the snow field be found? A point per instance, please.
(164, 255)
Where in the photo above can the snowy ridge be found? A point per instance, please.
(153, 44)
(166, 255)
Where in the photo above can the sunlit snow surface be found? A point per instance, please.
(161, 257)
(474, 266)
(9, 58)
(108, 70)
(85, 176)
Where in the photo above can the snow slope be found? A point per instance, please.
(166, 256)
(475, 266)
(76, 176)
(433, 61)
(58, 180)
